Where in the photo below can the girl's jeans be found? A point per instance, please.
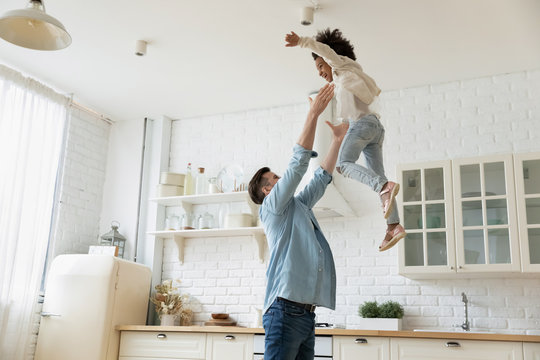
(365, 135)
(289, 332)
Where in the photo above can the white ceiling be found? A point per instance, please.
(214, 56)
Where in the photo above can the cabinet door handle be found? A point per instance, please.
(360, 341)
(461, 267)
(452, 344)
(229, 337)
(161, 336)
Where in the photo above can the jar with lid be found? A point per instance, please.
(206, 221)
(172, 222)
(201, 185)
(187, 221)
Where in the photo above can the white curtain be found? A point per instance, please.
(32, 122)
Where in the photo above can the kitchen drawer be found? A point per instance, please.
(429, 349)
(163, 344)
(361, 347)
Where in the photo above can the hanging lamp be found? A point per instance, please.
(32, 28)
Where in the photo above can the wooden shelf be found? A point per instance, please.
(202, 199)
(179, 237)
(187, 202)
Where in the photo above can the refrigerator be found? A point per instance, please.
(86, 296)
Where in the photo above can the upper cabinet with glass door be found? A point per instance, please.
(484, 201)
(426, 202)
(527, 168)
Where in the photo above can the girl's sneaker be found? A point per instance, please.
(392, 237)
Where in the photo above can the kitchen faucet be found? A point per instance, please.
(466, 325)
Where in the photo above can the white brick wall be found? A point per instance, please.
(82, 184)
(81, 190)
(499, 114)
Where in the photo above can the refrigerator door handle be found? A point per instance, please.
(48, 314)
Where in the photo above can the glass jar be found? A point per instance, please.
(187, 221)
(206, 221)
(172, 222)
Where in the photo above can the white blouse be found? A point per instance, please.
(355, 90)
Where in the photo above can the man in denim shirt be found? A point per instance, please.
(301, 273)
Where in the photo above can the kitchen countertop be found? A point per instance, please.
(342, 332)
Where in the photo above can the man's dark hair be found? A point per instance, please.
(336, 41)
(256, 184)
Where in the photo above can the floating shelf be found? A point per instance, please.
(179, 237)
(187, 202)
(202, 199)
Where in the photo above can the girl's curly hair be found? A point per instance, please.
(334, 39)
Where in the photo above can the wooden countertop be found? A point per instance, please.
(342, 332)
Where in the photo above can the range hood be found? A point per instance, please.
(333, 203)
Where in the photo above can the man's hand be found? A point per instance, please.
(292, 39)
(316, 107)
(339, 131)
(325, 95)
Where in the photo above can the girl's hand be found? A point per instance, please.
(292, 39)
(339, 131)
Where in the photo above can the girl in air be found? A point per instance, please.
(355, 91)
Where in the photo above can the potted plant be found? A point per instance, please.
(169, 304)
(386, 316)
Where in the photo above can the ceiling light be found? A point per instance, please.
(307, 15)
(140, 48)
(32, 28)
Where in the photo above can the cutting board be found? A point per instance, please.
(220, 322)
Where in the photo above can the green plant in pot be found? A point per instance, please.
(386, 316)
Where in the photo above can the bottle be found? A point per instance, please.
(201, 185)
(188, 181)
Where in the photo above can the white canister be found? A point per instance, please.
(169, 178)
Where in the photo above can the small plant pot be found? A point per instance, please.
(378, 324)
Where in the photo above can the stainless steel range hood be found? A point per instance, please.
(333, 203)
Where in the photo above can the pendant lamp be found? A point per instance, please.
(32, 28)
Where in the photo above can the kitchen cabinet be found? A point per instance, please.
(485, 214)
(187, 202)
(531, 351)
(229, 347)
(427, 212)
(527, 169)
(360, 347)
(147, 345)
(429, 349)
(470, 216)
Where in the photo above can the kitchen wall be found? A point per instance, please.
(491, 115)
(83, 174)
(81, 191)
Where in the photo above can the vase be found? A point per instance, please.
(167, 319)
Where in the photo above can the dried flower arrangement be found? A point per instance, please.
(168, 301)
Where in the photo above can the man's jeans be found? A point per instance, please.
(365, 135)
(289, 332)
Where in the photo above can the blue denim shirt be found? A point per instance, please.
(301, 266)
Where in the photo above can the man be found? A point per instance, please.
(301, 272)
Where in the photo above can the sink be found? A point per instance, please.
(458, 330)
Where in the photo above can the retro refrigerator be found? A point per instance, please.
(86, 296)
